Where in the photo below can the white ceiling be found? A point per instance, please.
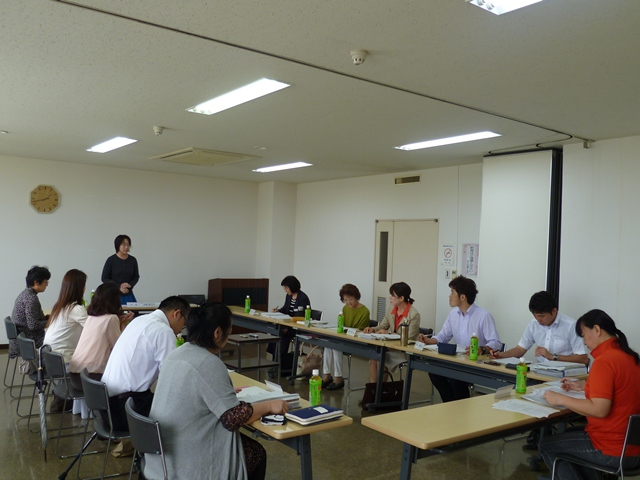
(73, 75)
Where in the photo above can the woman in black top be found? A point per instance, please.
(122, 269)
(294, 305)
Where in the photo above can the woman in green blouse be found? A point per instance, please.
(355, 315)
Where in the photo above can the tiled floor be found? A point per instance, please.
(354, 452)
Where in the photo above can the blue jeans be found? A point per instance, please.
(577, 442)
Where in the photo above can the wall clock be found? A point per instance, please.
(45, 198)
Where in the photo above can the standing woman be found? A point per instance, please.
(295, 302)
(612, 394)
(68, 315)
(356, 316)
(122, 269)
(100, 333)
(27, 313)
(197, 406)
(402, 311)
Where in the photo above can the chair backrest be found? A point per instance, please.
(316, 314)
(96, 395)
(146, 435)
(54, 364)
(503, 348)
(426, 331)
(27, 348)
(10, 327)
(633, 431)
(373, 323)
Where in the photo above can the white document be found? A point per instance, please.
(555, 365)
(512, 360)
(537, 394)
(526, 408)
(379, 336)
(276, 315)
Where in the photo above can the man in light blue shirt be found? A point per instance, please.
(463, 321)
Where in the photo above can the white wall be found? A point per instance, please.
(514, 238)
(185, 230)
(600, 259)
(335, 227)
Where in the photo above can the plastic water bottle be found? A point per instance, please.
(473, 347)
(93, 292)
(521, 377)
(307, 316)
(340, 323)
(315, 388)
(179, 340)
(247, 304)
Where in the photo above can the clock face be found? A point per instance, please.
(45, 198)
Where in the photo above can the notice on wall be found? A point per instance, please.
(470, 258)
(447, 254)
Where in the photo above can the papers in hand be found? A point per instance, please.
(272, 392)
(379, 336)
(311, 415)
(537, 394)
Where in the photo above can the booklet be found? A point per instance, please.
(311, 415)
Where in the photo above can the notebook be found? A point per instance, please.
(311, 415)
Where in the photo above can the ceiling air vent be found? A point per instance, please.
(405, 180)
(200, 156)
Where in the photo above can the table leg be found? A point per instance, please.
(378, 397)
(304, 450)
(408, 454)
(407, 386)
(294, 366)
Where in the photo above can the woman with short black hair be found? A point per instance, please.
(27, 313)
(203, 440)
(122, 269)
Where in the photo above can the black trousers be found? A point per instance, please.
(142, 401)
(449, 388)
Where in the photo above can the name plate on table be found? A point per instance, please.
(351, 332)
(420, 346)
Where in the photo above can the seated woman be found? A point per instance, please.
(27, 313)
(294, 305)
(402, 311)
(612, 394)
(100, 333)
(66, 321)
(199, 411)
(68, 315)
(355, 315)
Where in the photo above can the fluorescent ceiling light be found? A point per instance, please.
(112, 144)
(286, 166)
(448, 141)
(502, 6)
(254, 90)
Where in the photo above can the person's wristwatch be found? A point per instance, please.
(555, 357)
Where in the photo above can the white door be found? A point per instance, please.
(407, 251)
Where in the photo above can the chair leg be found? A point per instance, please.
(6, 371)
(13, 378)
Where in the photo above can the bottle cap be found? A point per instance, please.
(316, 372)
(308, 306)
(522, 360)
(247, 296)
(474, 334)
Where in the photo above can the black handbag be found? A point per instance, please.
(391, 392)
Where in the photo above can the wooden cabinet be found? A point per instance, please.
(233, 291)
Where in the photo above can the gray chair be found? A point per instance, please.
(146, 436)
(96, 397)
(54, 365)
(631, 438)
(27, 352)
(12, 334)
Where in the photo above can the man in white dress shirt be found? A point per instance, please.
(463, 321)
(553, 333)
(134, 363)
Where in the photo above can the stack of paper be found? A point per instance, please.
(276, 315)
(537, 394)
(559, 369)
(311, 415)
(273, 392)
(379, 336)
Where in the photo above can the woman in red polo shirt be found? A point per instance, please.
(612, 394)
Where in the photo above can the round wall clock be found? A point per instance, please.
(45, 198)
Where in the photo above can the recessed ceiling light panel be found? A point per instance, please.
(499, 7)
(254, 90)
(286, 166)
(112, 144)
(448, 141)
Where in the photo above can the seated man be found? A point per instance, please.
(552, 332)
(463, 321)
(136, 358)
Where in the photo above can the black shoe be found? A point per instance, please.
(336, 386)
(57, 405)
(326, 383)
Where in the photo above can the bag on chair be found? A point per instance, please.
(27, 367)
(309, 362)
(391, 392)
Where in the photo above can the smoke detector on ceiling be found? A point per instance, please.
(358, 56)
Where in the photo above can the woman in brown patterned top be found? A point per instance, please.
(27, 312)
